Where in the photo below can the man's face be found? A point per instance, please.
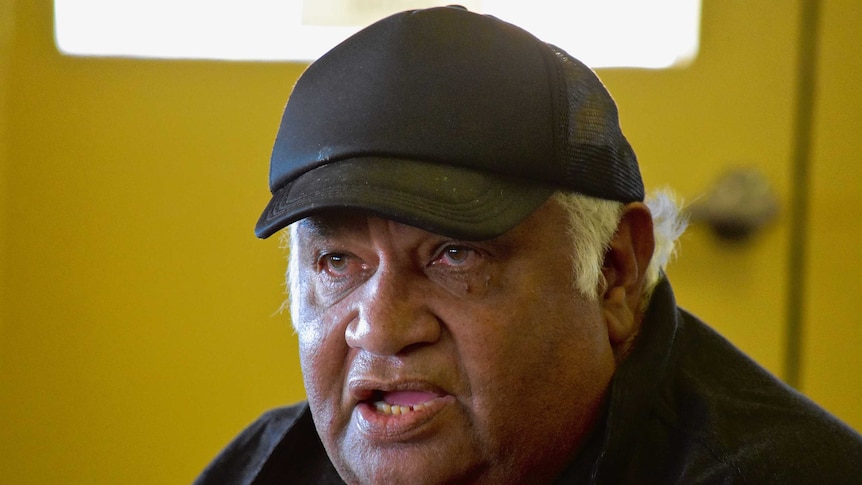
(429, 360)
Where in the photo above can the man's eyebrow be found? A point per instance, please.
(327, 225)
(316, 227)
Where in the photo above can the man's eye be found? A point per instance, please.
(335, 263)
(455, 255)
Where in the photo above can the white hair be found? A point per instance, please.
(593, 223)
(288, 236)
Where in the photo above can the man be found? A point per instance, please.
(475, 282)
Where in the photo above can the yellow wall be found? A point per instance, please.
(6, 29)
(137, 309)
(832, 361)
(732, 107)
(139, 333)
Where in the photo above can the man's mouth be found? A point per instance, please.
(396, 415)
(398, 403)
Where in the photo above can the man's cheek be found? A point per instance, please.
(322, 363)
(307, 318)
(310, 336)
(318, 385)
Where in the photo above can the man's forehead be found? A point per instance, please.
(329, 223)
(341, 222)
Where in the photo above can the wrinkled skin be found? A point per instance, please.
(508, 364)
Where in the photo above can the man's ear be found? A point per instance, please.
(624, 270)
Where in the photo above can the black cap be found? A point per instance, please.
(447, 120)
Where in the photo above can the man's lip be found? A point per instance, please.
(388, 411)
(400, 423)
(405, 399)
(373, 389)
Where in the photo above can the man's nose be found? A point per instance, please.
(394, 315)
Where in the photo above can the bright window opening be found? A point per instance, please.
(602, 33)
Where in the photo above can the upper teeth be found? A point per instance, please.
(396, 409)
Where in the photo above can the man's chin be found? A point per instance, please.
(414, 465)
(413, 449)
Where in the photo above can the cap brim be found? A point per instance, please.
(452, 201)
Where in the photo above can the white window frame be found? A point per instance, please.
(601, 33)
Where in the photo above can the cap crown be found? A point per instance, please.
(447, 86)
